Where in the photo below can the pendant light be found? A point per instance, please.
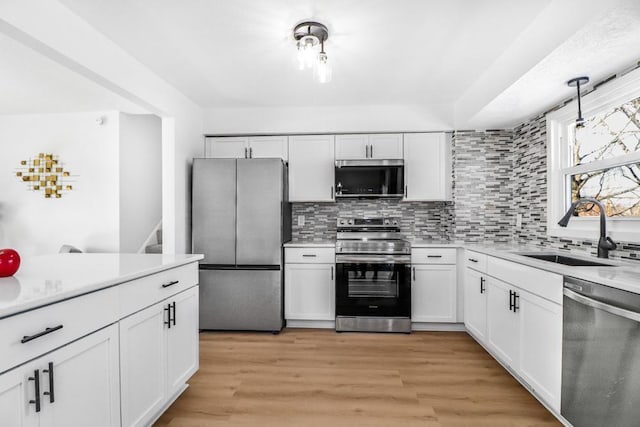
(577, 82)
(310, 37)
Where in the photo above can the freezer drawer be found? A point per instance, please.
(241, 300)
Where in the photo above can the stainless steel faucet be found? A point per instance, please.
(605, 244)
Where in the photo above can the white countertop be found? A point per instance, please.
(311, 244)
(436, 244)
(45, 279)
(625, 275)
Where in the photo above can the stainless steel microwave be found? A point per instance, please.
(369, 178)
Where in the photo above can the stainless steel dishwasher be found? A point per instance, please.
(600, 355)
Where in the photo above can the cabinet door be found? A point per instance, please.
(83, 387)
(16, 390)
(182, 339)
(311, 168)
(385, 146)
(350, 147)
(309, 292)
(433, 293)
(475, 303)
(541, 346)
(503, 325)
(427, 166)
(264, 147)
(143, 364)
(226, 147)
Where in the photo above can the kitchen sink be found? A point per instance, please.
(567, 260)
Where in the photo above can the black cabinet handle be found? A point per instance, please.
(406, 190)
(371, 150)
(511, 300)
(434, 256)
(245, 153)
(482, 289)
(173, 305)
(36, 379)
(47, 331)
(472, 259)
(50, 393)
(173, 282)
(516, 301)
(309, 255)
(251, 152)
(332, 192)
(366, 151)
(167, 310)
(414, 274)
(331, 272)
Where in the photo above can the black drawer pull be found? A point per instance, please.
(167, 309)
(482, 289)
(173, 282)
(173, 305)
(472, 259)
(36, 379)
(47, 331)
(309, 255)
(50, 392)
(434, 256)
(516, 302)
(511, 301)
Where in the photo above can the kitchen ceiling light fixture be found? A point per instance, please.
(310, 37)
(577, 82)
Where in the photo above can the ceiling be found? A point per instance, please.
(31, 83)
(493, 63)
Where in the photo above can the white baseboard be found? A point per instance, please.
(450, 327)
(311, 324)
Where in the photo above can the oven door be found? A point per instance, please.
(379, 288)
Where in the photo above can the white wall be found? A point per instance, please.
(86, 217)
(64, 37)
(374, 118)
(140, 164)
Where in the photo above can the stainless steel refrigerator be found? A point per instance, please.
(240, 219)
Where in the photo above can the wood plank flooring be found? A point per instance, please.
(308, 377)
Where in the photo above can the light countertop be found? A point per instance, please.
(436, 244)
(311, 244)
(624, 275)
(45, 279)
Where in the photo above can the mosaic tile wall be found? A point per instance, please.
(429, 220)
(483, 186)
(530, 168)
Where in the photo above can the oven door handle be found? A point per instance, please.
(631, 315)
(372, 259)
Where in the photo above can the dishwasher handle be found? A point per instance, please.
(628, 314)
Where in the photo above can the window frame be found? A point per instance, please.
(606, 97)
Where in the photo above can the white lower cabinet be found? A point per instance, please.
(475, 303)
(523, 329)
(76, 385)
(309, 292)
(159, 351)
(433, 293)
(503, 324)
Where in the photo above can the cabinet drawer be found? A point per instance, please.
(475, 260)
(433, 256)
(310, 255)
(539, 282)
(140, 293)
(66, 320)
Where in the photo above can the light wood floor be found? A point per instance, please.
(323, 378)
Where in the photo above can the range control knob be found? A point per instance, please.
(386, 221)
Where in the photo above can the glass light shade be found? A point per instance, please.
(323, 69)
(307, 51)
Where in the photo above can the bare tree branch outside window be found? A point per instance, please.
(606, 135)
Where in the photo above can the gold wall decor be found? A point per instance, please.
(45, 173)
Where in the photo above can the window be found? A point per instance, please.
(599, 160)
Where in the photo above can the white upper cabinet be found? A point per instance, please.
(385, 146)
(311, 168)
(265, 147)
(253, 147)
(427, 167)
(226, 147)
(364, 146)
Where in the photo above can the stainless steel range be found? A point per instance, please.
(373, 279)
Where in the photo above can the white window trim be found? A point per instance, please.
(611, 94)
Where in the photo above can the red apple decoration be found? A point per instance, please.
(9, 262)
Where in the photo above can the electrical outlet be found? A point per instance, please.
(300, 220)
(518, 220)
